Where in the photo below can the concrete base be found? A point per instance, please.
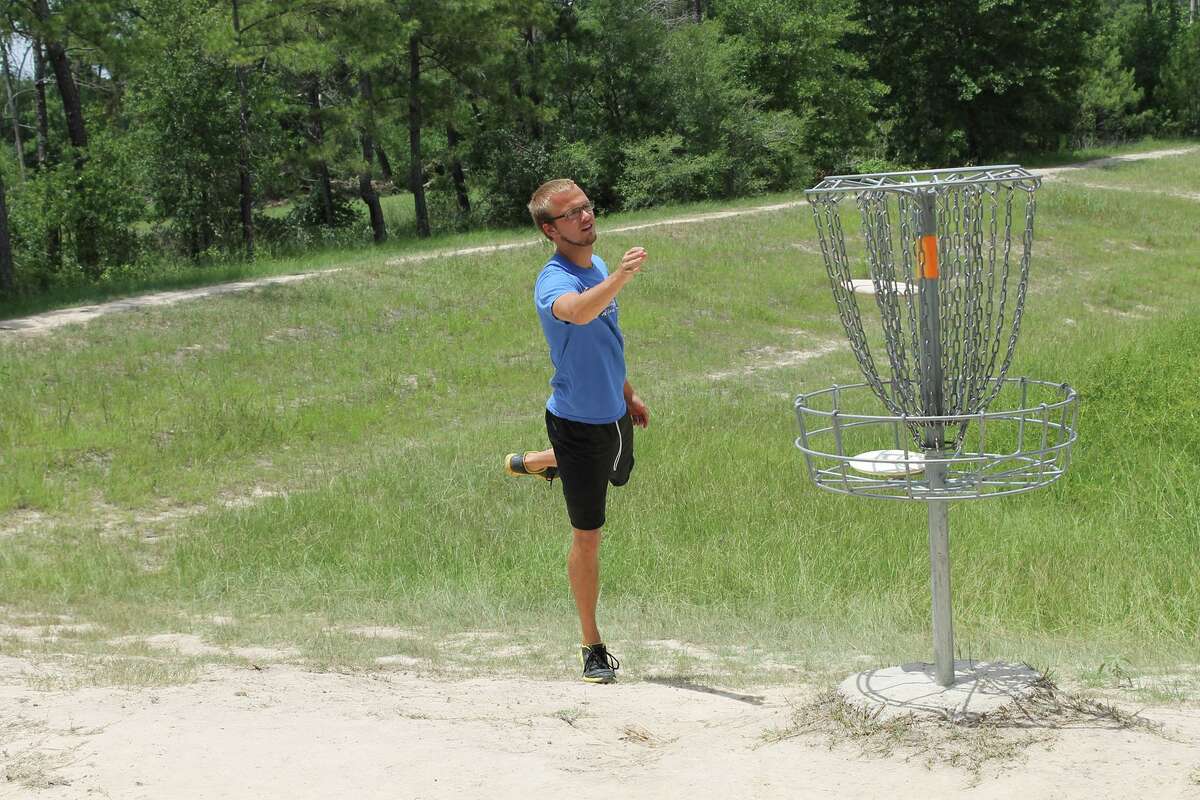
(980, 687)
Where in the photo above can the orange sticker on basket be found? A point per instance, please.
(929, 257)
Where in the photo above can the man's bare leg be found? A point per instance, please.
(583, 571)
(536, 461)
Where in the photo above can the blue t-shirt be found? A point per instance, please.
(589, 360)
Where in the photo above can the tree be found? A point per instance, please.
(366, 189)
(1180, 86)
(6, 258)
(1108, 96)
(49, 29)
(799, 56)
(245, 178)
(185, 109)
(976, 80)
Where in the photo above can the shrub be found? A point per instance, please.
(660, 170)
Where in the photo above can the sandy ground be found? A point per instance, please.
(277, 731)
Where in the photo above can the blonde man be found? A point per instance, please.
(592, 409)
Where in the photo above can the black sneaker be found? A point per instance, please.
(514, 464)
(599, 665)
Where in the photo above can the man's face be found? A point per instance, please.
(576, 223)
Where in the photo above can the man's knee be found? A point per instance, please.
(587, 541)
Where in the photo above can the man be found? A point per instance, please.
(592, 410)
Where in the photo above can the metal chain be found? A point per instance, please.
(976, 275)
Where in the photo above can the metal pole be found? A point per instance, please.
(939, 578)
(933, 404)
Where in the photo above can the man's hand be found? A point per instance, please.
(638, 413)
(631, 262)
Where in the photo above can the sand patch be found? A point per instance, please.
(193, 646)
(16, 523)
(48, 633)
(770, 357)
(399, 661)
(285, 732)
(1139, 311)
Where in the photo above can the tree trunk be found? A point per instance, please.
(245, 180)
(318, 136)
(12, 110)
(366, 190)
(43, 119)
(67, 89)
(368, 194)
(535, 97)
(53, 232)
(456, 170)
(56, 52)
(416, 175)
(385, 166)
(698, 10)
(6, 263)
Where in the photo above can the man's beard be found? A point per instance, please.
(589, 239)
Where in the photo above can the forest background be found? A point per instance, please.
(145, 136)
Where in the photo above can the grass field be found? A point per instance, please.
(307, 458)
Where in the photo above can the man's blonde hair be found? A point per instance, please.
(539, 204)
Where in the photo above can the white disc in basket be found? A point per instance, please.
(867, 286)
(888, 462)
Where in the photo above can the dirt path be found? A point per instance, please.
(43, 323)
(1109, 161)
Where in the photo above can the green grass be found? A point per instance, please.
(370, 408)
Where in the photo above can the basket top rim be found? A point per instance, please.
(914, 181)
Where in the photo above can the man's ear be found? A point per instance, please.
(546, 228)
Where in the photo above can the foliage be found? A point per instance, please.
(1180, 90)
(1109, 97)
(799, 55)
(973, 81)
(104, 195)
(514, 166)
(661, 170)
(640, 102)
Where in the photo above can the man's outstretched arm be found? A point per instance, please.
(580, 308)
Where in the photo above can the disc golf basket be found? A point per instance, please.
(947, 252)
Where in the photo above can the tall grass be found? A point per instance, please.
(371, 407)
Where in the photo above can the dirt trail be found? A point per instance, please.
(43, 323)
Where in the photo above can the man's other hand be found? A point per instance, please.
(638, 413)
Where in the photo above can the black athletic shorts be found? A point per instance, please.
(589, 458)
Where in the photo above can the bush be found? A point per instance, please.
(766, 153)
(1109, 96)
(103, 200)
(516, 166)
(660, 170)
(1180, 88)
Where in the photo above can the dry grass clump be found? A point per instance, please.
(972, 744)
